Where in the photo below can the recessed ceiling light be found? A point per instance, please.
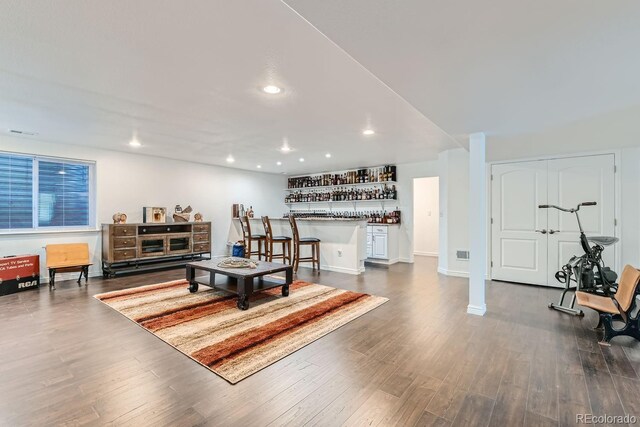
(271, 89)
(285, 148)
(279, 163)
(135, 143)
(301, 159)
(259, 166)
(230, 159)
(328, 155)
(368, 132)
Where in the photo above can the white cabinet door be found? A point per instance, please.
(572, 181)
(519, 252)
(369, 244)
(380, 246)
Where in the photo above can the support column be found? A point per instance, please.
(477, 224)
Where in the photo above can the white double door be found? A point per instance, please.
(528, 244)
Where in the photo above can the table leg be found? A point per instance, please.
(245, 289)
(212, 280)
(191, 275)
(288, 280)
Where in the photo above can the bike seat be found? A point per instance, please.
(603, 240)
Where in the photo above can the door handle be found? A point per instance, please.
(553, 231)
(543, 231)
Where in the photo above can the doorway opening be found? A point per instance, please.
(426, 216)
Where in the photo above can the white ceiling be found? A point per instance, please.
(538, 77)
(562, 75)
(185, 77)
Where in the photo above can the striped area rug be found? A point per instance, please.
(207, 326)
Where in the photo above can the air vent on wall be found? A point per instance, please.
(463, 255)
(22, 132)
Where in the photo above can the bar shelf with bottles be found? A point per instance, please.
(367, 176)
(343, 194)
(372, 217)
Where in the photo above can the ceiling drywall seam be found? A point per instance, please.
(454, 140)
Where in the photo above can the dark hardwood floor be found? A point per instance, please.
(67, 359)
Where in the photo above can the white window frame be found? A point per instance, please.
(35, 228)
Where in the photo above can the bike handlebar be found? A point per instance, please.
(577, 208)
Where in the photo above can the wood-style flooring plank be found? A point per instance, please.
(476, 411)
(629, 391)
(617, 361)
(308, 407)
(511, 402)
(373, 411)
(542, 397)
(602, 392)
(447, 402)
(429, 420)
(535, 420)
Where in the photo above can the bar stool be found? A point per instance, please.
(247, 237)
(314, 242)
(271, 239)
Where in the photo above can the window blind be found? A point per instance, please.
(63, 194)
(16, 191)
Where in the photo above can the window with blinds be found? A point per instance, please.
(43, 193)
(16, 191)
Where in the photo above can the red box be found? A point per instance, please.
(19, 273)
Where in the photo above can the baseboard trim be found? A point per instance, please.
(419, 253)
(382, 261)
(477, 310)
(453, 273)
(407, 260)
(337, 269)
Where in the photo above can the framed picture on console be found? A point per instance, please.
(154, 215)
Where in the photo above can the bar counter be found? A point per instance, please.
(343, 246)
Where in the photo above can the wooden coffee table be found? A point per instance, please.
(240, 281)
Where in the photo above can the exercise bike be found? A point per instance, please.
(586, 272)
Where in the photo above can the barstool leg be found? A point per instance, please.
(284, 252)
(289, 257)
(296, 257)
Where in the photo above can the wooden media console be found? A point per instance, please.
(129, 248)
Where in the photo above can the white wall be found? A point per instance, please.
(406, 174)
(426, 214)
(454, 213)
(128, 182)
(629, 170)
